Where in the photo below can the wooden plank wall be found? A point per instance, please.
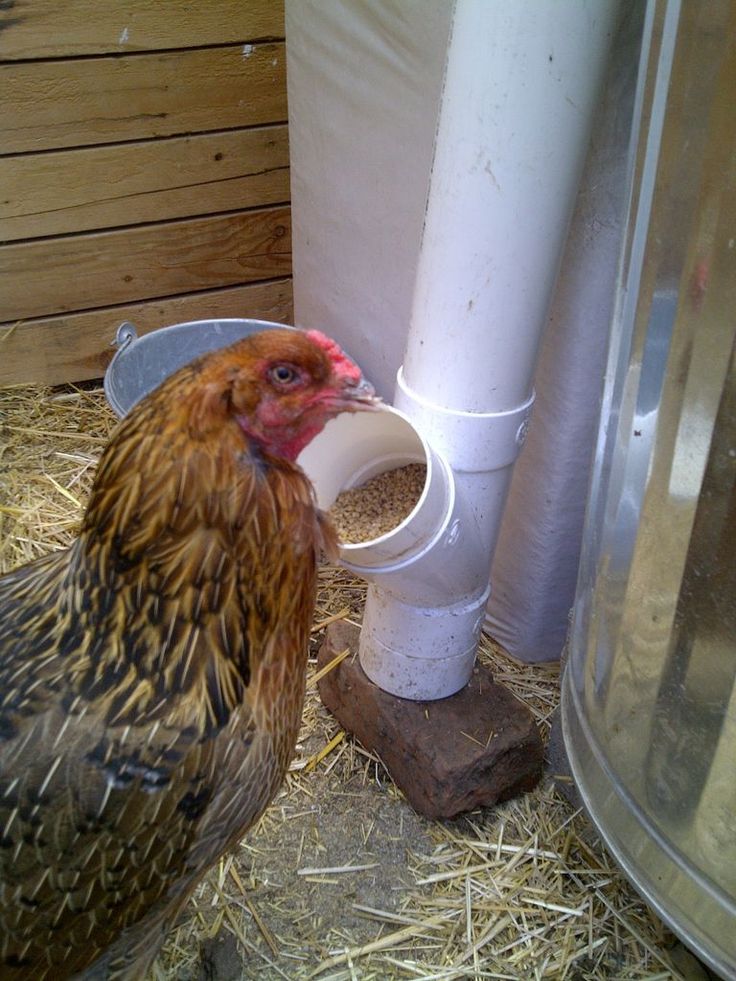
(144, 174)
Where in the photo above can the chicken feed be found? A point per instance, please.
(377, 506)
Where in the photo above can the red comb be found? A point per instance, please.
(342, 363)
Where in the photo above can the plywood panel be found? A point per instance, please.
(77, 346)
(55, 104)
(103, 187)
(47, 28)
(99, 269)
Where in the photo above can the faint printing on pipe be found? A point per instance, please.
(376, 507)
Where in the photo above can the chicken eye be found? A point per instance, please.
(283, 374)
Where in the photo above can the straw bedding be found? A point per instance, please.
(341, 879)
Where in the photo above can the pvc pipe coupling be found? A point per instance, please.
(429, 576)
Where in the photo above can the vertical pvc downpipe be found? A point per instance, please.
(522, 81)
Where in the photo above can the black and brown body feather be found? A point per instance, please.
(151, 685)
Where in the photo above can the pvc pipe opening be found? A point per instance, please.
(354, 448)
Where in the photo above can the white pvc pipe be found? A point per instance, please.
(522, 81)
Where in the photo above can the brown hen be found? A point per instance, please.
(152, 675)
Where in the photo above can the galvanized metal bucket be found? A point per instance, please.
(649, 693)
(142, 363)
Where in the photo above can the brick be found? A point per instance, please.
(475, 748)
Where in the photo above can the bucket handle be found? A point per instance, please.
(124, 336)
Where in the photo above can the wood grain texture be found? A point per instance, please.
(48, 29)
(75, 347)
(103, 187)
(82, 102)
(80, 272)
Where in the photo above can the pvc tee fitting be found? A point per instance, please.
(428, 576)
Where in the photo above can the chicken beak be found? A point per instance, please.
(362, 393)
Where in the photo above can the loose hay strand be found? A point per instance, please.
(519, 892)
(394, 939)
(330, 666)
